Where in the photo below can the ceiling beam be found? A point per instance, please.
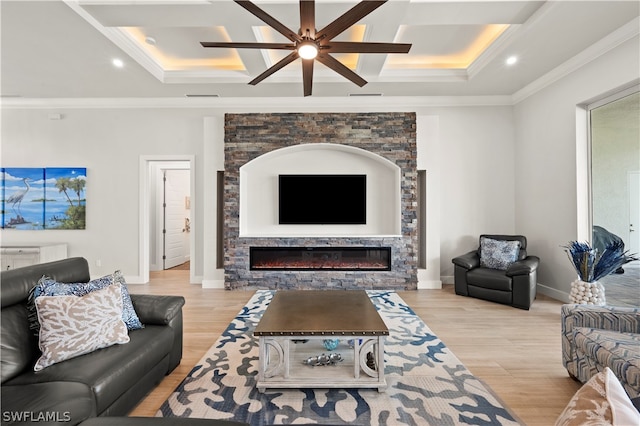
(382, 26)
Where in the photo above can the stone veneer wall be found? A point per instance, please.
(390, 135)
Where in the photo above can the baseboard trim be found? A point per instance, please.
(430, 285)
(137, 279)
(213, 284)
(447, 279)
(553, 293)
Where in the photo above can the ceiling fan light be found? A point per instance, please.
(307, 50)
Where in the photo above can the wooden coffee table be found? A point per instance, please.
(292, 330)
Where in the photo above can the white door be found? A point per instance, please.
(176, 218)
(634, 213)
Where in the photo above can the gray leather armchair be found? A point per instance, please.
(515, 285)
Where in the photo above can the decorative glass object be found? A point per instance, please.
(330, 344)
(351, 342)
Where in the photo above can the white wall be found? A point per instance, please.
(109, 143)
(475, 170)
(477, 175)
(549, 138)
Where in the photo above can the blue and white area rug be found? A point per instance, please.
(427, 383)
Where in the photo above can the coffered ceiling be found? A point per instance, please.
(64, 49)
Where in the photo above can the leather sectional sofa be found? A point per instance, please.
(105, 382)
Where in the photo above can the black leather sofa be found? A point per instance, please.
(106, 382)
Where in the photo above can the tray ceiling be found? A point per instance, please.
(458, 47)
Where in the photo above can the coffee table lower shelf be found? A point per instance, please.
(282, 363)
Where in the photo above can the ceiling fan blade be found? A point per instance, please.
(269, 20)
(356, 47)
(308, 18)
(281, 46)
(341, 69)
(349, 18)
(307, 76)
(278, 65)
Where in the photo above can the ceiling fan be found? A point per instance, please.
(310, 44)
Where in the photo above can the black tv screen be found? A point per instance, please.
(322, 199)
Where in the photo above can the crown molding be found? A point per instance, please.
(354, 103)
(626, 32)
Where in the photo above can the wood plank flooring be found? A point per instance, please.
(515, 352)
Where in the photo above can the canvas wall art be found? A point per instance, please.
(43, 198)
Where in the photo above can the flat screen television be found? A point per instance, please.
(322, 199)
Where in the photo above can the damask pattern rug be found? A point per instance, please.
(427, 384)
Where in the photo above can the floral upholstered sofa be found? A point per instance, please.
(595, 337)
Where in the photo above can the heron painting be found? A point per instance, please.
(23, 198)
(43, 198)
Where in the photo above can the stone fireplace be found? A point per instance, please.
(380, 254)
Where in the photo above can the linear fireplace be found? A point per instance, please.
(320, 258)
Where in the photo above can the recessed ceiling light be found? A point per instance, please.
(118, 63)
(512, 60)
(150, 40)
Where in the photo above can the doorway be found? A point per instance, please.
(170, 214)
(167, 219)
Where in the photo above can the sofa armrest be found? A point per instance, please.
(615, 318)
(523, 267)
(156, 309)
(164, 311)
(468, 260)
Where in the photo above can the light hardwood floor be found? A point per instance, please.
(515, 352)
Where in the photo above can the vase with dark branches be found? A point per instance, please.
(592, 265)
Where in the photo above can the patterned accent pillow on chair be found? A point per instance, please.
(498, 254)
(76, 325)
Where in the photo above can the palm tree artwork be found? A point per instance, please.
(69, 210)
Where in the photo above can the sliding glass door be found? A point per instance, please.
(615, 183)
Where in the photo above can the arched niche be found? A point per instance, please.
(259, 190)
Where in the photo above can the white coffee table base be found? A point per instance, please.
(281, 363)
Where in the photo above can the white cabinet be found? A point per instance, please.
(19, 256)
